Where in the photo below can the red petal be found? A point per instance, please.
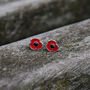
(40, 45)
(52, 42)
(56, 48)
(35, 40)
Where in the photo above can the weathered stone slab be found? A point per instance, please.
(68, 69)
(21, 19)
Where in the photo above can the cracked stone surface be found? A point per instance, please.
(68, 69)
(23, 18)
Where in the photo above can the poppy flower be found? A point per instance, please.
(52, 46)
(35, 44)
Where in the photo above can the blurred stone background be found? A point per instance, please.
(23, 18)
(6, 1)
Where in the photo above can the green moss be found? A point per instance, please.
(56, 85)
(62, 84)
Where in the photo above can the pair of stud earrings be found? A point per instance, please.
(36, 44)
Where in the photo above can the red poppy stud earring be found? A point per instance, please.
(52, 46)
(35, 44)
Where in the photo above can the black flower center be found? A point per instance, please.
(36, 44)
(52, 46)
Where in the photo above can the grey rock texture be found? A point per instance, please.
(6, 1)
(68, 69)
(23, 18)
